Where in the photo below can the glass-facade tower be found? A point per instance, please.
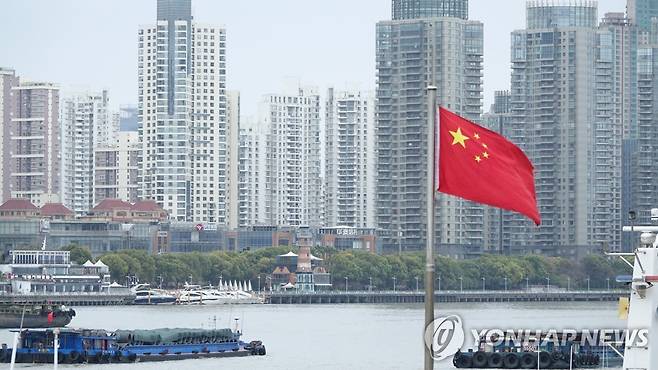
(415, 9)
(412, 54)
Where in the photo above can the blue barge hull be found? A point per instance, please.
(98, 346)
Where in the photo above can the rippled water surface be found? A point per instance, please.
(332, 336)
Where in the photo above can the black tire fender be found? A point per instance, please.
(511, 361)
(480, 359)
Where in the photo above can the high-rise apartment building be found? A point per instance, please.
(498, 119)
(31, 141)
(640, 12)
(233, 160)
(350, 159)
(182, 114)
(253, 174)
(8, 80)
(413, 52)
(568, 104)
(116, 170)
(293, 186)
(86, 124)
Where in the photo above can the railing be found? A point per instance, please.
(67, 294)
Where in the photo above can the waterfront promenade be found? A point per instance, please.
(334, 297)
(69, 298)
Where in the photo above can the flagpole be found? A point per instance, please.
(429, 258)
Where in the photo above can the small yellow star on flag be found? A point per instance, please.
(478, 159)
(485, 146)
(459, 138)
(485, 155)
(476, 136)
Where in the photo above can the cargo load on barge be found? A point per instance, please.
(125, 346)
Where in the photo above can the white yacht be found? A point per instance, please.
(144, 294)
(195, 294)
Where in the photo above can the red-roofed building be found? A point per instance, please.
(18, 207)
(119, 210)
(56, 211)
(149, 209)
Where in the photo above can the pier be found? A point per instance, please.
(364, 297)
(69, 298)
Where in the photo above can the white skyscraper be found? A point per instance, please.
(350, 159)
(252, 178)
(233, 160)
(86, 124)
(293, 185)
(116, 169)
(182, 115)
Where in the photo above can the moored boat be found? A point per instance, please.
(145, 295)
(34, 316)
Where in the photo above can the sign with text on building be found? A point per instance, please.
(206, 227)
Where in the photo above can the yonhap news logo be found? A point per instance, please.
(444, 336)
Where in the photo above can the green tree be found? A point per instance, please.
(79, 254)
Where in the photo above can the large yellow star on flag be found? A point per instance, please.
(458, 137)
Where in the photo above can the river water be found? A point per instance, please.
(332, 336)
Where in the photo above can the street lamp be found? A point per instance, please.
(527, 283)
(346, 279)
(461, 284)
(568, 283)
(417, 283)
(587, 283)
(258, 283)
(394, 280)
(160, 280)
(268, 277)
(548, 283)
(439, 279)
(484, 288)
(370, 284)
(505, 283)
(608, 281)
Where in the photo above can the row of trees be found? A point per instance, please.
(363, 269)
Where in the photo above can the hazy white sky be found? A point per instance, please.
(93, 43)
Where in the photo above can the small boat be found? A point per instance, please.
(144, 294)
(126, 346)
(34, 316)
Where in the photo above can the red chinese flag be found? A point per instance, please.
(51, 317)
(482, 166)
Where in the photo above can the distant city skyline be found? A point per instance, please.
(319, 44)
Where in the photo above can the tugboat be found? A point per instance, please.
(127, 346)
(34, 316)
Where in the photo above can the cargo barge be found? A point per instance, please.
(125, 346)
